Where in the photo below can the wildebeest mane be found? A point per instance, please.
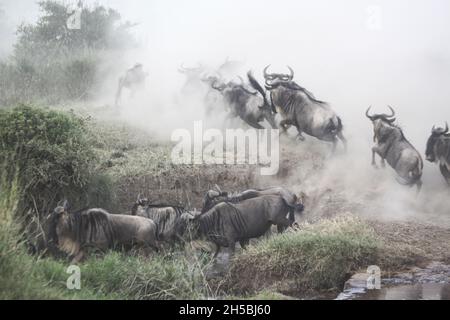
(88, 225)
(294, 86)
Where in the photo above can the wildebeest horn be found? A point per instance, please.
(392, 111)
(440, 130)
(367, 113)
(217, 188)
(265, 71)
(291, 76)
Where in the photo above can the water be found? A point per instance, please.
(424, 291)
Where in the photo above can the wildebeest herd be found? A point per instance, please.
(227, 218)
(224, 220)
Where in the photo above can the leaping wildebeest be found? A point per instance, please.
(298, 107)
(134, 79)
(438, 150)
(171, 221)
(246, 104)
(227, 223)
(392, 146)
(74, 232)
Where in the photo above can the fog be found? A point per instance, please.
(350, 53)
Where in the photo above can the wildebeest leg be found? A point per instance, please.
(254, 124)
(374, 150)
(343, 139)
(445, 172)
(244, 243)
(383, 163)
(78, 257)
(217, 251)
(419, 185)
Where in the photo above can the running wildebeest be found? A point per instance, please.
(227, 223)
(246, 104)
(392, 146)
(438, 150)
(134, 79)
(298, 107)
(213, 197)
(171, 221)
(193, 81)
(74, 232)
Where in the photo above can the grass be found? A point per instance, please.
(115, 275)
(316, 257)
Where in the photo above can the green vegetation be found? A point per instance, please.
(316, 257)
(52, 63)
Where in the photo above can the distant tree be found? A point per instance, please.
(101, 29)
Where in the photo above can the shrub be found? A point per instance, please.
(54, 158)
(317, 257)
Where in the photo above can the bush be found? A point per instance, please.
(55, 161)
(317, 257)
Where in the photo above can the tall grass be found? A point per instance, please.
(316, 257)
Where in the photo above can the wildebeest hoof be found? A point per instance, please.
(300, 137)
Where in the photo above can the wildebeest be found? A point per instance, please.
(213, 197)
(193, 80)
(247, 104)
(392, 146)
(74, 232)
(298, 107)
(171, 221)
(227, 223)
(134, 79)
(438, 150)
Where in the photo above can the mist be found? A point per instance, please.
(350, 53)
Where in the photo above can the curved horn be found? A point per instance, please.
(217, 188)
(392, 111)
(242, 80)
(291, 76)
(265, 71)
(446, 127)
(367, 113)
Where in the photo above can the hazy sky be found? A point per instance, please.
(351, 53)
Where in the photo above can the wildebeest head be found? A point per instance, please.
(139, 205)
(274, 79)
(378, 120)
(436, 134)
(212, 197)
(60, 213)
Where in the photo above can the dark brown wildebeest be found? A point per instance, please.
(171, 221)
(74, 232)
(213, 197)
(134, 80)
(392, 146)
(438, 150)
(246, 104)
(227, 223)
(300, 108)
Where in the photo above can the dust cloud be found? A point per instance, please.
(352, 54)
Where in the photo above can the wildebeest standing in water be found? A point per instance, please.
(392, 146)
(74, 232)
(299, 108)
(171, 221)
(227, 223)
(246, 104)
(134, 80)
(438, 150)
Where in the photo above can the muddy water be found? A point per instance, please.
(429, 283)
(425, 291)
